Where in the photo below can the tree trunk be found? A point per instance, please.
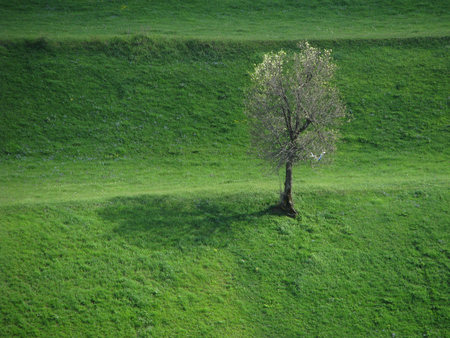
(286, 203)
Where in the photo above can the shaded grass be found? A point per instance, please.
(398, 88)
(106, 100)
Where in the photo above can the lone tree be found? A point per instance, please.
(293, 109)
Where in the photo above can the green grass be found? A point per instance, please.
(102, 100)
(359, 263)
(223, 20)
(129, 206)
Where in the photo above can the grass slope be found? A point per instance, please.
(109, 99)
(357, 263)
(138, 95)
(128, 206)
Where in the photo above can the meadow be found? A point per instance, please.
(130, 207)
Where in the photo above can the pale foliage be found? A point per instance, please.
(293, 107)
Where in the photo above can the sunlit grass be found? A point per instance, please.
(54, 181)
(216, 262)
(224, 20)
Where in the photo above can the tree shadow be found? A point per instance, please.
(157, 222)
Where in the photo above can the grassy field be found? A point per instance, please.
(129, 206)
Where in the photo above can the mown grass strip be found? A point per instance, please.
(218, 20)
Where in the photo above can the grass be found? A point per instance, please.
(129, 206)
(364, 262)
(152, 97)
(223, 20)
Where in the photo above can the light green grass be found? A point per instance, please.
(224, 20)
(357, 262)
(53, 181)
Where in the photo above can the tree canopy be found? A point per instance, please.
(293, 105)
(293, 108)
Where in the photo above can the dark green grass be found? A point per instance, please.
(105, 100)
(398, 88)
(232, 19)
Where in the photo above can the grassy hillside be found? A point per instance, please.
(106, 99)
(129, 206)
(357, 263)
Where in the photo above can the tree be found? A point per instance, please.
(293, 109)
